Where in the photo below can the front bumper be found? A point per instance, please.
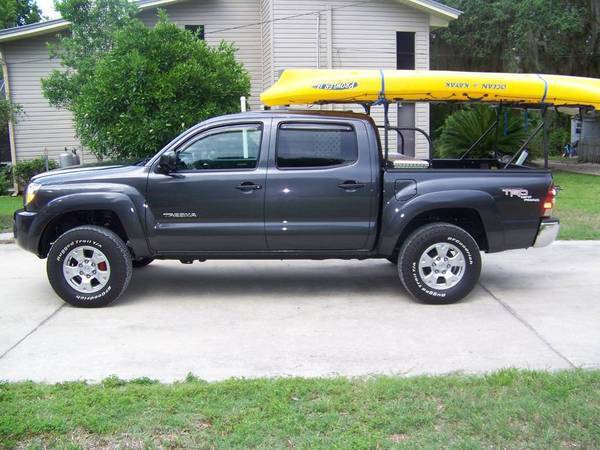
(547, 233)
(26, 230)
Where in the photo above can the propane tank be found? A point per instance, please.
(76, 159)
(65, 159)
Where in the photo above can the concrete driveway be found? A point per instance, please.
(537, 309)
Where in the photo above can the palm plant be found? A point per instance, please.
(462, 128)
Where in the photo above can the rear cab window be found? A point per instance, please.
(315, 145)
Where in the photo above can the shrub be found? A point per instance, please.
(8, 112)
(138, 87)
(462, 128)
(4, 181)
(26, 170)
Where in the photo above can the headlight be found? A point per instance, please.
(32, 189)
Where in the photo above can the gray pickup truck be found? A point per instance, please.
(279, 185)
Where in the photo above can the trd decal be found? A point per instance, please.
(521, 193)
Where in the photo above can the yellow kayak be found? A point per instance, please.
(308, 86)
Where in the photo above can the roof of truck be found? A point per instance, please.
(297, 112)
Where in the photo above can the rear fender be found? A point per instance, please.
(397, 215)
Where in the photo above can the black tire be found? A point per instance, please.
(142, 262)
(113, 248)
(414, 248)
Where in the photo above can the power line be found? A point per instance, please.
(294, 16)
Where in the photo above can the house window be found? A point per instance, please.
(198, 30)
(405, 50)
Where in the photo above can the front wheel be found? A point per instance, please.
(89, 266)
(439, 263)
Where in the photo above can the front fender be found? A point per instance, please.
(397, 215)
(130, 212)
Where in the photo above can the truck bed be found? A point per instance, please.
(507, 202)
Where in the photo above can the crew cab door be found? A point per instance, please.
(214, 200)
(321, 188)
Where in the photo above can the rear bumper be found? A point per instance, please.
(547, 233)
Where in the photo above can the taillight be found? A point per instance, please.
(549, 201)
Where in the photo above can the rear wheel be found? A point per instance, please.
(439, 263)
(89, 266)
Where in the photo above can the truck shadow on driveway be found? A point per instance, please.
(266, 279)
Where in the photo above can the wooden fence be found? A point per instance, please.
(588, 150)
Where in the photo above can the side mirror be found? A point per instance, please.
(167, 162)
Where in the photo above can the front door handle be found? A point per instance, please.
(350, 185)
(248, 186)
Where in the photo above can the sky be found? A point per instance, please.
(47, 7)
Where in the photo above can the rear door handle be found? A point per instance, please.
(351, 185)
(248, 186)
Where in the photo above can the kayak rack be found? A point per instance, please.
(543, 126)
(399, 131)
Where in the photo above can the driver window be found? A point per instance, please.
(229, 148)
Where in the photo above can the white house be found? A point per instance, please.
(270, 35)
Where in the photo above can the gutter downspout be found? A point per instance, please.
(318, 40)
(330, 42)
(11, 127)
(329, 37)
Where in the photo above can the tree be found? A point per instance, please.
(8, 112)
(133, 89)
(552, 36)
(535, 36)
(15, 13)
(93, 26)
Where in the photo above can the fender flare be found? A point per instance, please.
(131, 216)
(397, 215)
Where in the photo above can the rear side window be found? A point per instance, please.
(315, 145)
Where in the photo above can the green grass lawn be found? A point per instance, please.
(507, 409)
(8, 205)
(578, 205)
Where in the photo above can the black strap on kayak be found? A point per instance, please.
(382, 92)
(381, 100)
(545, 88)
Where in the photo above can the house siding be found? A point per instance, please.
(41, 126)
(266, 29)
